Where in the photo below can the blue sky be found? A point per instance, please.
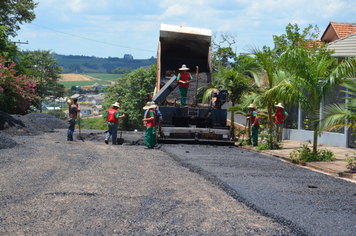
(113, 28)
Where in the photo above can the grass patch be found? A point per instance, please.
(98, 123)
(111, 77)
(68, 84)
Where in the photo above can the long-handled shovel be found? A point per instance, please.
(120, 140)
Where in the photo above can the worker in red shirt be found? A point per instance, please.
(113, 118)
(149, 123)
(255, 124)
(281, 115)
(184, 78)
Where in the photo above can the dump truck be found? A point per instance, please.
(196, 122)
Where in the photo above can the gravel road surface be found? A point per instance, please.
(312, 203)
(53, 187)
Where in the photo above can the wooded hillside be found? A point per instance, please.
(92, 64)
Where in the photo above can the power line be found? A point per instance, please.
(93, 40)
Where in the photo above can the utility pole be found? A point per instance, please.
(18, 42)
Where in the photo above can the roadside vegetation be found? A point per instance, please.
(298, 72)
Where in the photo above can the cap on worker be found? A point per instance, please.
(116, 104)
(279, 105)
(184, 67)
(149, 105)
(251, 106)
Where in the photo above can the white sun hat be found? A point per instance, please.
(184, 67)
(280, 105)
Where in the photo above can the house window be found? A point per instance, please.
(292, 121)
(335, 96)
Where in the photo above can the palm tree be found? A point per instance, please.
(237, 81)
(273, 77)
(241, 79)
(314, 76)
(206, 91)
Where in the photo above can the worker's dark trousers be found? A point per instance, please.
(255, 134)
(149, 137)
(183, 95)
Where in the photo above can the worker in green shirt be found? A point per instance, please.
(184, 78)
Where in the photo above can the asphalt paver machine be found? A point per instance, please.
(196, 122)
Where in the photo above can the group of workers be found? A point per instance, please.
(151, 121)
(280, 115)
(153, 117)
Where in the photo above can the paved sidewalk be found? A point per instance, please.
(335, 168)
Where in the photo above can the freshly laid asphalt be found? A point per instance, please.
(312, 202)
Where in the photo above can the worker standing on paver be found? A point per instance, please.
(157, 127)
(281, 115)
(113, 118)
(184, 78)
(149, 123)
(255, 124)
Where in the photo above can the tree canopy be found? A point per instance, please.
(44, 69)
(130, 91)
(16, 12)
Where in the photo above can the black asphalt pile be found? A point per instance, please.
(43, 122)
(6, 142)
(8, 122)
(27, 125)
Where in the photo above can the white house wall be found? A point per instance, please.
(327, 138)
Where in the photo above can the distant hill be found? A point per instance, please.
(87, 64)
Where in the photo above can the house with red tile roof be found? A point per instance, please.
(344, 47)
(341, 38)
(338, 30)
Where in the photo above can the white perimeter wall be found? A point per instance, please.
(327, 138)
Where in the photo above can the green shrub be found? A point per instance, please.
(94, 123)
(351, 162)
(263, 146)
(268, 141)
(304, 153)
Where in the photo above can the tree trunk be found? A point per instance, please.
(270, 125)
(233, 117)
(232, 126)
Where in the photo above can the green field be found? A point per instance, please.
(111, 77)
(68, 84)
